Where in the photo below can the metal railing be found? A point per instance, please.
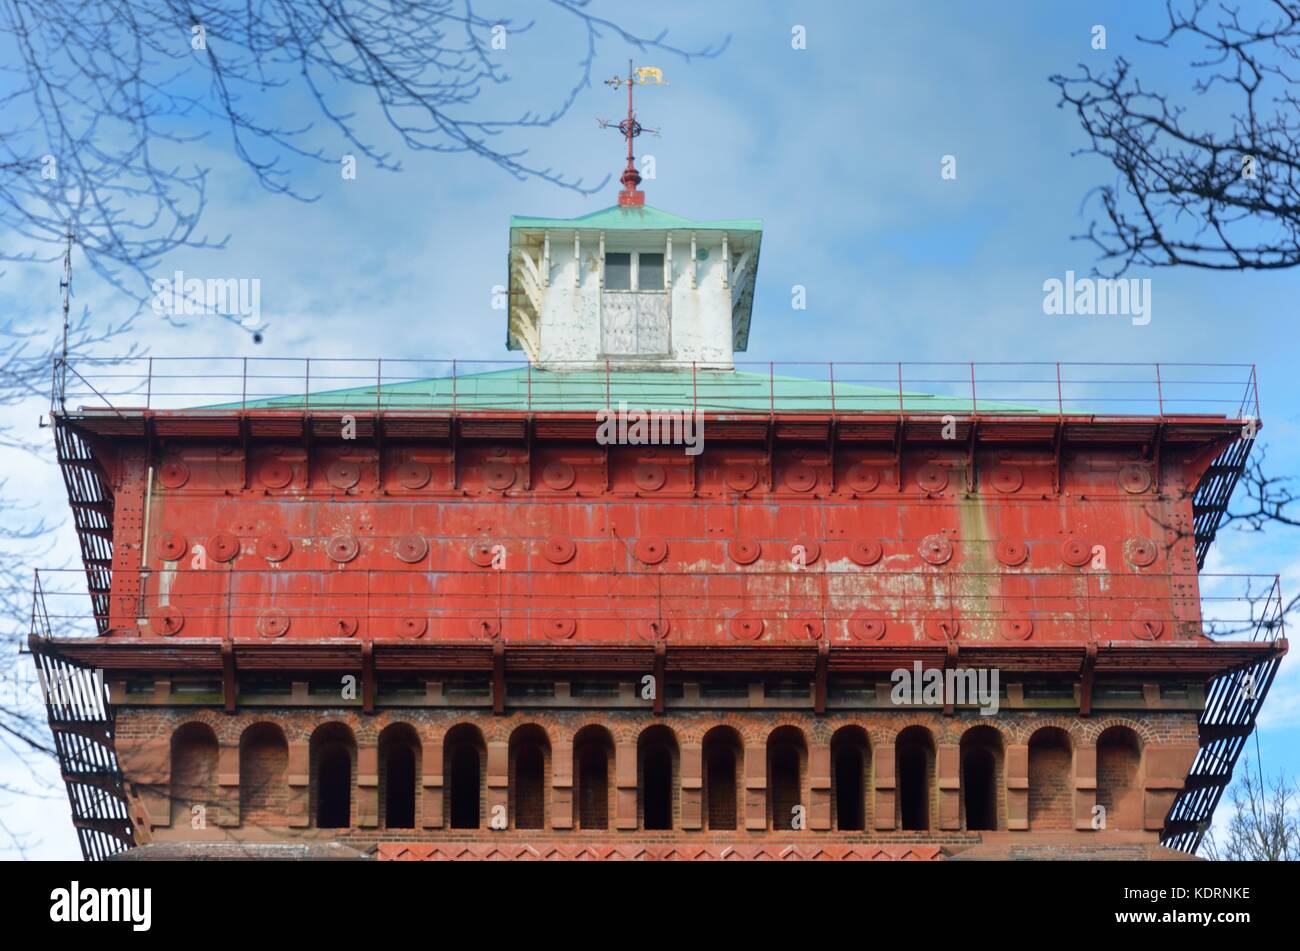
(606, 605)
(455, 385)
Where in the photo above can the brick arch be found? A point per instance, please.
(787, 756)
(852, 778)
(367, 730)
(400, 759)
(916, 773)
(228, 728)
(195, 751)
(263, 774)
(1023, 732)
(888, 735)
(722, 775)
(982, 775)
(1095, 728)
(458, 724)
(658, 777)
(464, 774)
(1120, 760)
(658, 726)
(1051, 754)
(819, 731)
(498, 729)
(224, 728)
(593, 775)
(332, 771)
(300, 731)
(693, 733)
(529, 766)
(766, 730)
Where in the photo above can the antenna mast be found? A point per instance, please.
(65, 285)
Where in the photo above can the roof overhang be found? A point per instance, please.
(1198, 658)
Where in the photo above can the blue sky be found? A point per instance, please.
(837, 147)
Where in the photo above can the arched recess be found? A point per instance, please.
(193, 775)
(263, 776)
(1051, 780)
(982, 759)
(333, 753)
(850, 779)
(593, 765)
(787, 764)
(1119, 772)
(464, 756)
(656, 778)
(530, 777)
(723, 760)
(914, 773)
(400, 764)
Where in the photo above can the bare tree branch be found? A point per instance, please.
(1185, 195)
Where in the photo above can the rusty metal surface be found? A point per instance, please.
(1004, 534)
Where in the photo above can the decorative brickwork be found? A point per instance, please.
(717, 779)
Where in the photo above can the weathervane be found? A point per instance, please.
(631, 178)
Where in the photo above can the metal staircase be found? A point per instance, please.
(1231, 705)
(81, 722)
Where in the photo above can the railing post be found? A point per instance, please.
(306, 390)
(1160, 393)
(530, 386)
(900, 388)
(453, 386)
(379, 383)
(771, 388)
(974, 401)
(695, 392)
(831, 369)
(1060, 403)
(148, 387)
(243, 385)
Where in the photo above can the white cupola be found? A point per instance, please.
(633, 286)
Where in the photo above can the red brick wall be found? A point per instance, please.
(259, 748)
(530, 780)
(399, 735)
(1118, 761)
(1051, 787)
(263, 777)
(194, 772)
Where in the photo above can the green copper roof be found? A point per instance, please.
(616, 218)
(713, 391)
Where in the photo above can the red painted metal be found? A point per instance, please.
(652, 536)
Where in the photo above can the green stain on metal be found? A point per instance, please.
(616, 218)
(522, 389)
(978, 578)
